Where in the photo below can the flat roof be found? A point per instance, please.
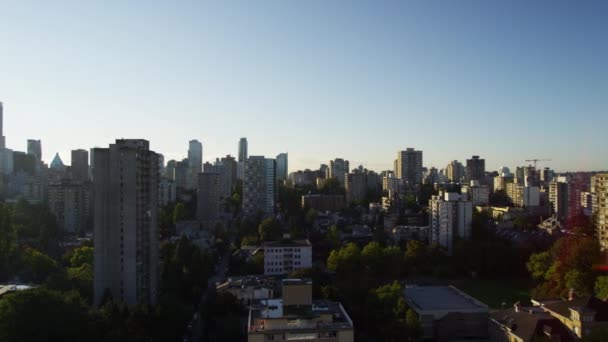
(442, 298)
(288, 243)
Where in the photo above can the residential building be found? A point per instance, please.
(305, 177)
(195, 162)
(476, 193)
(34, 148)
(525, 324)
(321, 202)
(578, 314)
(523, 196)
(6, 161)
(170, 170)
(406, 233)
(431, 176)
(282, 167)
(181, 174)
(259, 186)
(338, 169)
(356, 187)
(409, 167)
(125, 225)
(500, 182)
(286, 256)
(446, 313)
(546, 175)
(166, 191)
(476, 169)
(242, 157)
(80, 165)
(250, 288)
(229, 179)
(208, 201)
(599, 189)
(297, 317)
(450, 217)
(70, 201)
(2, 137)
(559, 196)
(455, 171)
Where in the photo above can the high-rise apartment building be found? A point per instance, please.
(450, 217)
(80, 164)
(476, 192)
(599, 191)
(560, 195)
(195, 163)
(166, 192)
(409, 166)
(476, 169)
(170, 170)
(338, 168)
(500, 182)
(455, 171)
(282, 167)
(2, 137)
(259, 186)
(6, 161)
(356, 187)
(125, 225)
(70, 201)
(34, 148)
(181, 174)
(242, 157)
(208, 201)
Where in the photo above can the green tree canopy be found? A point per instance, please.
(270, 229)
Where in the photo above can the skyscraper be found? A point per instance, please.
(125, 224)
(242, 157)
(2, 138)
(356, 187)
(476, 169)
(34, 147)
(80, 164)
(259, 186)
(195, 163)
(282, 166)
(409, 166)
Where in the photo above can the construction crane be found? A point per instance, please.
(536, 160)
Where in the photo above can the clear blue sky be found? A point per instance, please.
(507, 80)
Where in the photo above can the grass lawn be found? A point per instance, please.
(495, 292)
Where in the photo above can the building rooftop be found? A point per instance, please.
(299, 318)
(287, 243)
(4, 289)
(442, 298)
(255, 281)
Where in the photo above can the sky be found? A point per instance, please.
(360, 80)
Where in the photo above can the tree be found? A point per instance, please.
(81, 255)
(179, 212)
(601, 287)
(415, 250)
(539, 264)
(7, 241)
(58, 317)
(37, 266)
(412, 322)
(311, 216)
(270, 229)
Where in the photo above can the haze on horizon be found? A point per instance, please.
(359, 80)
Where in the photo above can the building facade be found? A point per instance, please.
(282, 166)
(338, 168)
(195, 162)
(70, 201)
(259, 186)
(409, 166)
(286, 256)
(450, 217)
(208, 202)
(356, 187)
(476, 169)
(599, 191)
(80, 165)
(455, 171)
(125, 225)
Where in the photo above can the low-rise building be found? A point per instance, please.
(249, 288)
(525, 324)
(406, 233)
(297, 317)
(286, 256)
(446, 313)
(579, 315)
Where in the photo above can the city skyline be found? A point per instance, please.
(323, 81)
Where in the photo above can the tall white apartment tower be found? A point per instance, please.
(125, 187)
(451, 217)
